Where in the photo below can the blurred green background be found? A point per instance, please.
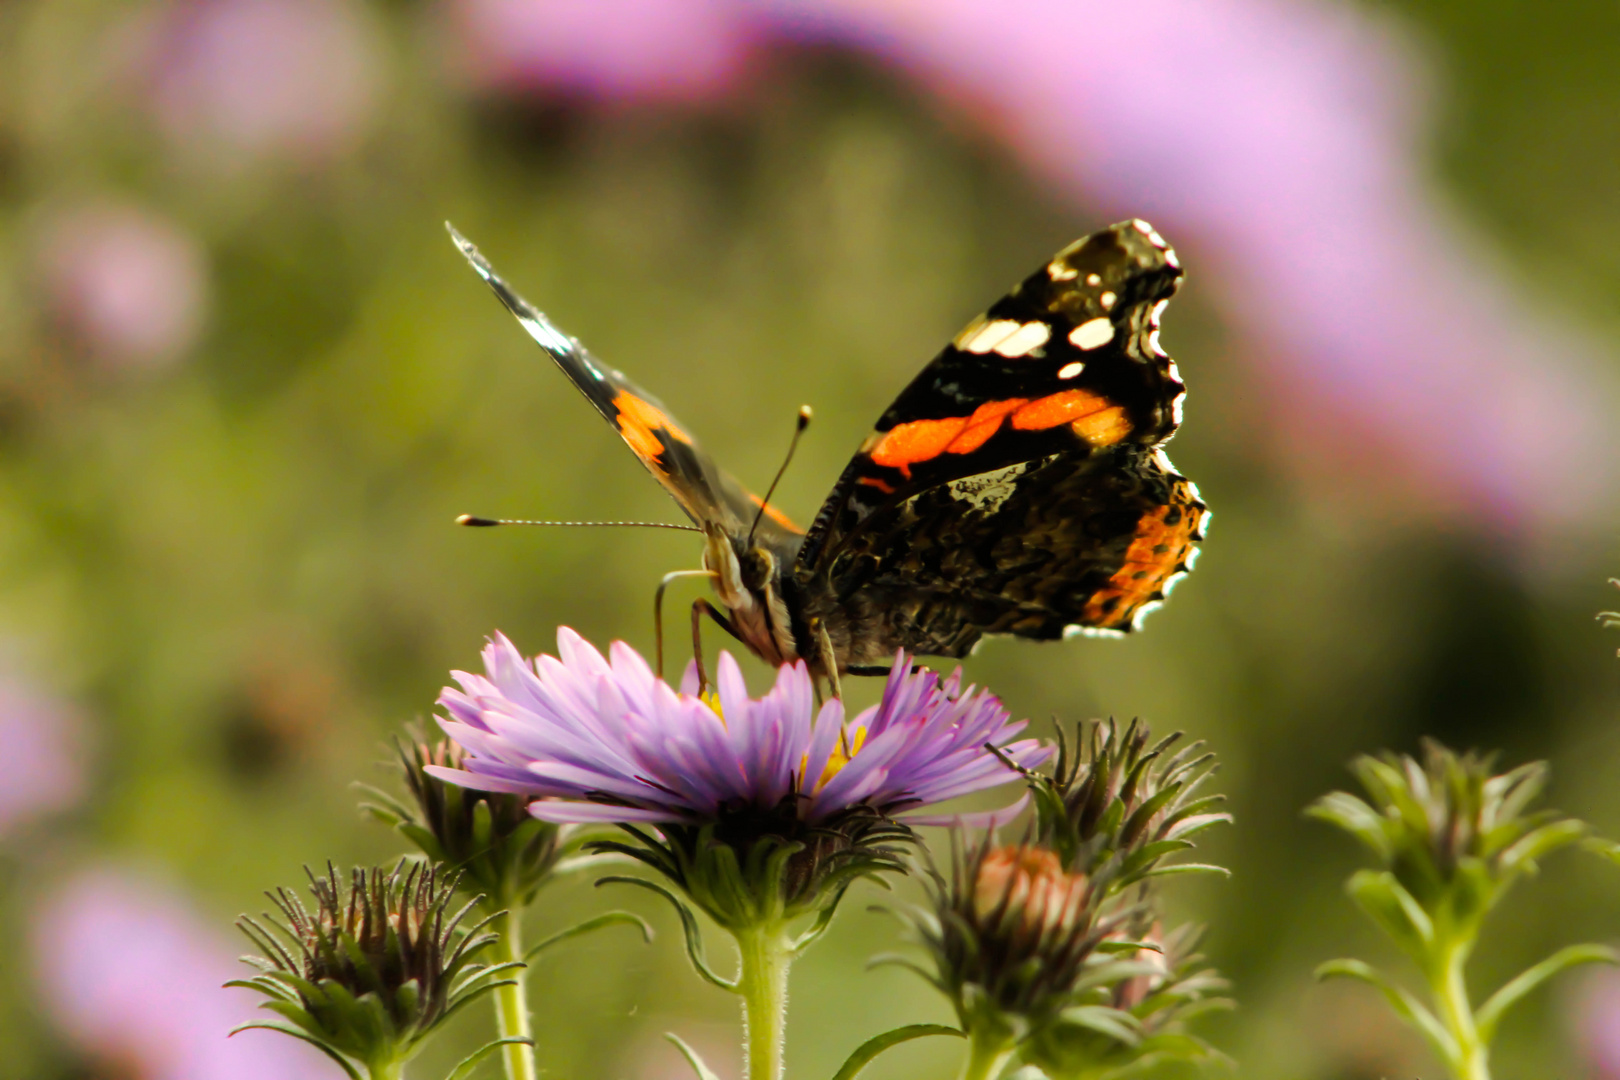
(226, 540)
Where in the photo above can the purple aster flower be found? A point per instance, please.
(606, 740)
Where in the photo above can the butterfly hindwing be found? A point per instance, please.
(1043, 549)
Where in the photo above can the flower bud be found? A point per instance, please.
(1027, 887)
(1118, 803)
(500, 849)
(371, 972)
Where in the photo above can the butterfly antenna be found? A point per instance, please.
(804, 422)
(485, 523)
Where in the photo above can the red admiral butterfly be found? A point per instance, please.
(1017, 486)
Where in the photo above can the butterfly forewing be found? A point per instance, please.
(705, 492)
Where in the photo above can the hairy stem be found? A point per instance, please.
(765, 953)
(512, 1002)
(987, 1055)
(389, 1069)
(1451, 995)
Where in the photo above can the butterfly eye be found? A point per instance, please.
(758, 566)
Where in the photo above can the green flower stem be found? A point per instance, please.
(766, 954)
(512, 1002)
(987, 1055)
(1451, 995)
(392, 1069)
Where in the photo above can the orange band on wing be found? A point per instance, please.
(1095, 419)
(985, 422)
(638, 420)
(903, 445)
(774, 514)
(1164, 537)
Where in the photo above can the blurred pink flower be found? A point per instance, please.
(265, 76)
(1596, 1023)
(130, 286)
(652, 48)
(1280, 141)
(129, 972)
(42, 768)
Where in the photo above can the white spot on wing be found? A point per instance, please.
(1107, 300)
(547, 335)
(1074, 630)
(1093, 279)
(988, 336)
(1093, 334)
(987, 491)
(1058, 272)
(1024, 340)
(1070, 370)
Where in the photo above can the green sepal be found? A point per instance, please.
(823, 919)
(473, 1060)
(693, 1058)
(877, 1044)
(288, 1029)
(598, 922)
(689, 927)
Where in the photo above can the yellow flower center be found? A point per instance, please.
(841, 755)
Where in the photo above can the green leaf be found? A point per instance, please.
(1406, 1006)
(1355, 817)
(874, 1046)
(823, 919)
(1490, 1013)
(288, 1029)
(610, 918)
(689, 926)
(472, 1060)
(1608, 849)
(1540, 842)
(1188, 868)
(1112, 1023)
(1389, 905)
(692, 1058)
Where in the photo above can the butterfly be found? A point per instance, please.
(1017, 486)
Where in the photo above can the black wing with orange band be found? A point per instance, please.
(705, 492)
(1068, 363)
(1016, 486)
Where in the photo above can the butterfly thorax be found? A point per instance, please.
(747, 579)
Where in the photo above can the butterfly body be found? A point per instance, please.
(1016, 486)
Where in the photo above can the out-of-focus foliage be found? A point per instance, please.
(227, 478)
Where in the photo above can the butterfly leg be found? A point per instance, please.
(658, 608)
(701, 608)
(829, 659)
(868, 669)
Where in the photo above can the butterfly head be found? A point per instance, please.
(746, 579)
